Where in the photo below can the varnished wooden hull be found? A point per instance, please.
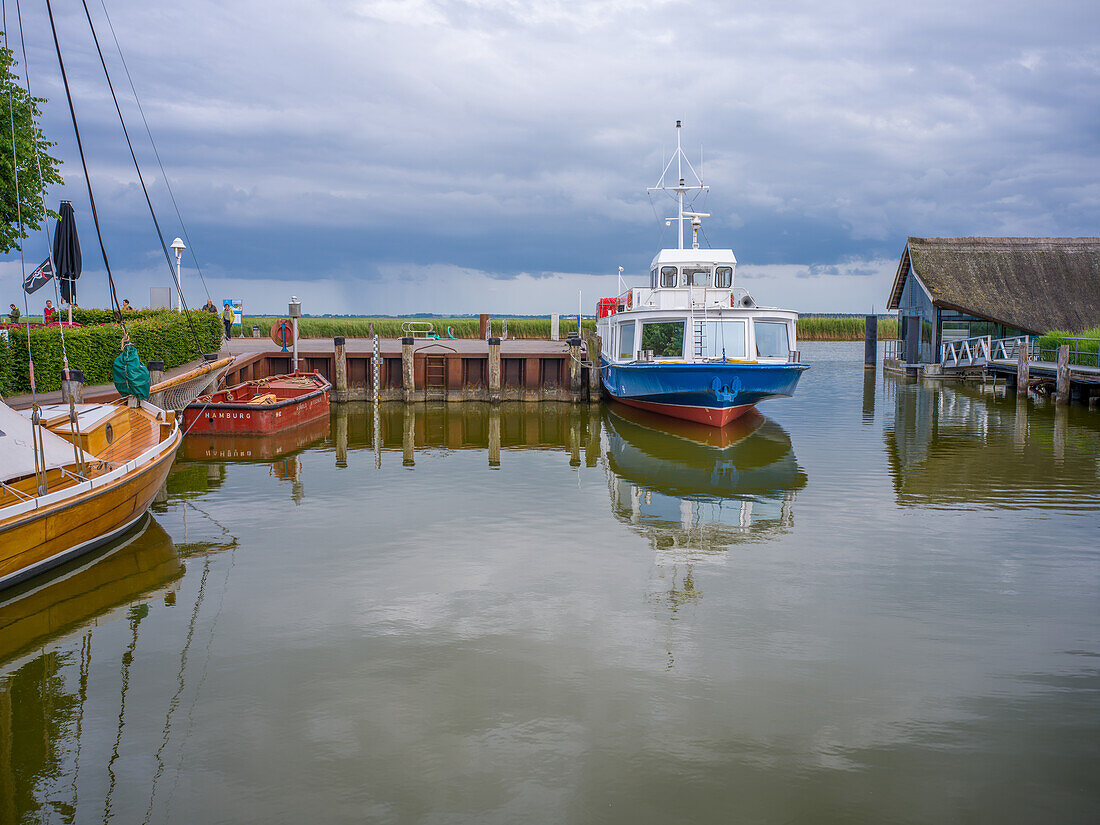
(40, 539)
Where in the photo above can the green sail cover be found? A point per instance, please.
(131, 377)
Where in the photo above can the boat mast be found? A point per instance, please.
(681, 186)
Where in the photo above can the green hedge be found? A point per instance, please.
(159, 335)
(90, 317)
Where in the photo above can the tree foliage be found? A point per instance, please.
(29, 141)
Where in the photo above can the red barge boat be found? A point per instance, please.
(266, 405)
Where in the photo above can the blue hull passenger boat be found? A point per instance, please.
(692, 345)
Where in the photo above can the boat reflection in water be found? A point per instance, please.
(207, 454)
(127, 570)
(693, 490)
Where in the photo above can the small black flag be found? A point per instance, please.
(38, 277)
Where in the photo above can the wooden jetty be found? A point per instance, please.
(420, 369)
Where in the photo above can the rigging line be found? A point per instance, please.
(87, 177)
(22, 265)
(152, 143)
(41, 184)
(141, 179)
(85, 666)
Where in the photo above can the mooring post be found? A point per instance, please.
(1061, 393)
(554, 325)
(408, 376)
(494, 437)
(72, 387)
(595, 347)
(340, 373)
(483, 326)
(575, 369)
(1023, 369)
(494, 370)
(341, 436)
(870, 341)
(376, 365)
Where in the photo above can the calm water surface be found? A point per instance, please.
(879, 603)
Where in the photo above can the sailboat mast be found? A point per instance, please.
(680, 189)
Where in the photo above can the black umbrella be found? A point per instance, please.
(66, 253)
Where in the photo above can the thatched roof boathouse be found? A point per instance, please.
(963, 287)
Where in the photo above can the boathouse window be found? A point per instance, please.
(665, 338)
(771, 340)
(721, 339)
(626, 340)
(696, 276)
(723, 277)
(668, 276)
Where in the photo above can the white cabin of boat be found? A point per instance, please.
(696, 289)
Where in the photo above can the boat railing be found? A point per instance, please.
(686, 297)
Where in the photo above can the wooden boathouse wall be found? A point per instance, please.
(425, 370)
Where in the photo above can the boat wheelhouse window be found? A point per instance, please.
(626, 340)
(653, 278)
(721, 339)
(665, 338)
(723, 277)
(771, 339)
(668, 276)
(696, 276)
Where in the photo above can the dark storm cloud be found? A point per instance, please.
(507, 137)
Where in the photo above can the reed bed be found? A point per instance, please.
(810, 327)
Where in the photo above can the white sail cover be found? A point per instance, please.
(17, 446)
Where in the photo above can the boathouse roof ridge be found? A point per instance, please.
(1033, 284)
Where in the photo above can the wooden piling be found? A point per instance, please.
(575, 441)
(592, 445)
(870, 341)
(408, 375)
(483, 326)
(340, 372)
(156, 375)
(73, 387)
(1061, 393)
(912, 341)
(494, 370)
(1023, 370)
(595, 348)
(575, 369)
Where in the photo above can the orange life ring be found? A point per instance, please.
(282, 330)
(630, 299)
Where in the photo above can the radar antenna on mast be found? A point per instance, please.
(682, 187)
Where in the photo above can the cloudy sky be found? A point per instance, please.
(390, 156)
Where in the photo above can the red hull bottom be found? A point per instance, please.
(712, 416)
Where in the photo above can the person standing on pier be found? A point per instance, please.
(227, 319)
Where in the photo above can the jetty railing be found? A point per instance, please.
(966, 352)
(1082, 351)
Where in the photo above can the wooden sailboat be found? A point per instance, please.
(95, 478)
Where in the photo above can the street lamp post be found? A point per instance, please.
(178, 247)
